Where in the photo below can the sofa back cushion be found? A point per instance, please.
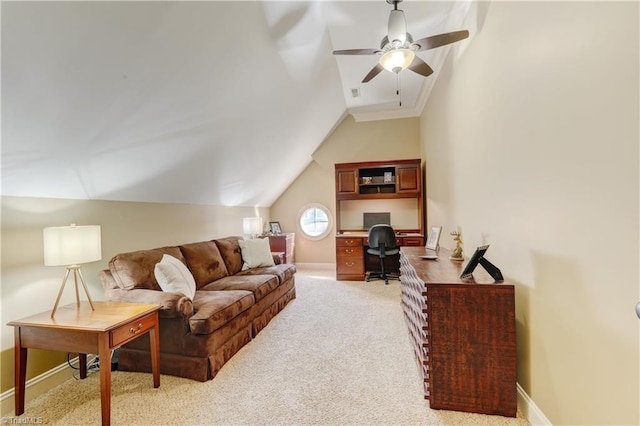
(136, 269)
(204, 261)
(230, 251)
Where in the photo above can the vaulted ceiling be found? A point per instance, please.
(192, 102)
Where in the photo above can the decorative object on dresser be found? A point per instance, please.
(457, 254)
(393, 186)
(463, 334)
(71, 246)
(284, 243)
(382, 243)
(433, 241)
(478, 258)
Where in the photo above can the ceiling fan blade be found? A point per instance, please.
(357, 52)
(440, 40)
(374, 71)
(421, 67)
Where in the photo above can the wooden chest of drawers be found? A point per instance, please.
(463, 334)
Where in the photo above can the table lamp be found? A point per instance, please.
(252, 226)
(71, 246)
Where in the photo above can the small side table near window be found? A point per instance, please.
(82, 330)
(284, 243)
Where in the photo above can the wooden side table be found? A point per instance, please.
(83, 330)
(284, 243)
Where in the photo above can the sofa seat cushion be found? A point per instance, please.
(136, 269)
(283, 271)
(213, 309)
(204, 262)
(259, 285)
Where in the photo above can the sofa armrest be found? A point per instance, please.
(277, 257)
(172, 305)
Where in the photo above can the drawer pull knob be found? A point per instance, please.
(349, 264)
(135, 330)
(349, 251)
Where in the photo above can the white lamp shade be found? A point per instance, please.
(397, 60)
(71, 245)
(252, 225)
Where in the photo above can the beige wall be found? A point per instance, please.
(531, 143)
(351, 141)
(29, 287)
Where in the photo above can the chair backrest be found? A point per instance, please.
(382, 234)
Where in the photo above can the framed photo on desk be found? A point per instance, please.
(434, 238)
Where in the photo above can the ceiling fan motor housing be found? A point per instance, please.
(386, 45)
(397, 28)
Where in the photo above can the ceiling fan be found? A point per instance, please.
(397, 48)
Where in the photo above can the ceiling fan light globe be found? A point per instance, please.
(397, 60)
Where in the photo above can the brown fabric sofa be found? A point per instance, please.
(230, 306)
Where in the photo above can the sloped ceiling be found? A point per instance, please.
(190, 102)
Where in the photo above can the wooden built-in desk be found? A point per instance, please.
(463, 334)
(353, 262)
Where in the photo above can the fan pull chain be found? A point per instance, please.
(398, 92)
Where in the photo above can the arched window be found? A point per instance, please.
(315, 221)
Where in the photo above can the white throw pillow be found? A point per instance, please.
(174, 277)
(256, 253)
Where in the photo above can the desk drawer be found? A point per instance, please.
(349, 251)
(131, 330)
(412, 241)
(350, 265)
(349, 242)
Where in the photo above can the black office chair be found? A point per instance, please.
(382, 243)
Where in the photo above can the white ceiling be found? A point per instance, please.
(192, 102)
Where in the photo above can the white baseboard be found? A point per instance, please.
(530, 410)
(36, 387)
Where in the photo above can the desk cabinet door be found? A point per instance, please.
(408, 180)
(346, 182)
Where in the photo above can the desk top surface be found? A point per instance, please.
(365, 234)
(106, 316)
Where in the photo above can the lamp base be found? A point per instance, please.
(76, 273)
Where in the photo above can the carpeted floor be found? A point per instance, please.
(339, 354)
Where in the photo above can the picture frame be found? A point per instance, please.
(388, 177)
(433, 239)
(274, 228)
